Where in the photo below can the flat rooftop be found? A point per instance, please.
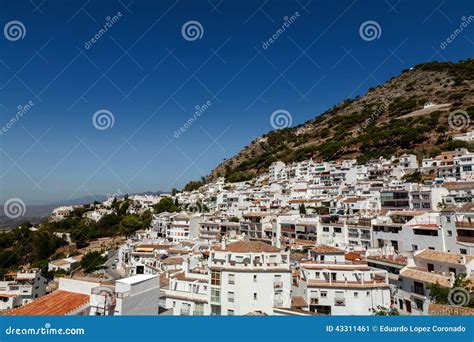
(136, 278)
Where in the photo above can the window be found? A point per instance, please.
(326, 229)
(230, 312)
(255, 296)
(215, 295)
(255, 278)
(231, 279)
(215, 278)
(414, 247)
(450, 233)
(430, 267)
(419, 304)
(448, 219)
(356, 294)
(198, 309)
(230, 297)
(452, 270)
(462, 250)
(324, 294)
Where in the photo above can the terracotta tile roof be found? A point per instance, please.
(325, 249)
(425, 276)
(58, 303)
(458, 185)
(448, 310)
(430, 226)
(248, 247)
(173, 261)
(298, 301)
(451, 258)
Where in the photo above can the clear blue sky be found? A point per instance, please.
(150, 78)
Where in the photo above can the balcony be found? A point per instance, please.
(468, 239)
(184, 312)
(463, 224)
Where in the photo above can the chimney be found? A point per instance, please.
(224, 243)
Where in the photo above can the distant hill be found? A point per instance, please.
(389, 119)
(37, 213)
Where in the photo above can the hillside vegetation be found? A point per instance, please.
(372, 125)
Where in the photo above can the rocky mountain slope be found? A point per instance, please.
(388, 119)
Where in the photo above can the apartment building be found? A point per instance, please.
(428, 267)
(248, 276)
(22, 287)
(332, 285)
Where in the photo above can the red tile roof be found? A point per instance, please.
(248, 247)
(58, 303)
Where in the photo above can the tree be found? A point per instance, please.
(129, 225)
(92, 261)
(302, 209)
(441, 295)
(167, 204)
(383, 311)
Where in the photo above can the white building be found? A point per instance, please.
(22, 287)
(248, 277)
(334, 286)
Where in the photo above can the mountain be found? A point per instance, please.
(389, 119)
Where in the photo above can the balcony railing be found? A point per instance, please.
(462, 224)
(185, 312)
(468, 239)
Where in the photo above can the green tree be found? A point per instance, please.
(92, 261)
(130, 224)
(302, 209)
